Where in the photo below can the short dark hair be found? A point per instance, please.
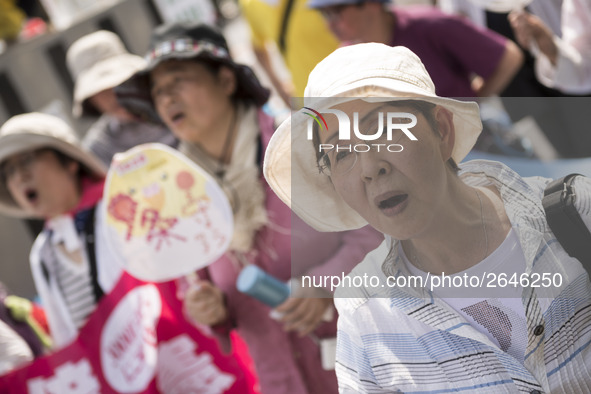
(62, 158)
(426, 109)
(65, 160)
(214, 66)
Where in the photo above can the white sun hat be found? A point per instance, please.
(28, 132)
(371, 70)
(97, 62)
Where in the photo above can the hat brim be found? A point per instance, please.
(134, 93)
(102, 76)
(25, 142)
(290, 165)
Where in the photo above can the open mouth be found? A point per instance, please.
(31, 195)
(393, 201)
(177, 117)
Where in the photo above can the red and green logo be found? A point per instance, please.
(317, 117)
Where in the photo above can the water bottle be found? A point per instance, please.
(262, 286)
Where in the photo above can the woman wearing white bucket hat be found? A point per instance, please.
(46, 174)
(421, 313)
(98, 62)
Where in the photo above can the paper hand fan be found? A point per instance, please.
(164, 215)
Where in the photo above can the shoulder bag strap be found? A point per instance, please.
(90, 250)
(564, 220)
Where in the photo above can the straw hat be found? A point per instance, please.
(97, 62)
(374, 71)
(24, 133)
(186, 41)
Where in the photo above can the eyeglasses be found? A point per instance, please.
(172, 88)
(341, 158)
(343, 155)
(338, 161)
(24, 162)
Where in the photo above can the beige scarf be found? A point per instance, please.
(241, 181)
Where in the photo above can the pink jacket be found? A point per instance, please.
(286, 363)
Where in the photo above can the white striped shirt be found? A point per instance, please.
(69, 263)
(75, 283)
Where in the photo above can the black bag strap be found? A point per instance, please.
(284, 24)
(90, 249)
(564, 220)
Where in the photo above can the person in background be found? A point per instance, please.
(495, 16)
(98, 62)
(300, 34)
(406, 332)
(464, 60)
(46, 174)
(562, 63)
(213, 105)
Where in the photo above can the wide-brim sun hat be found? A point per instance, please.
(97, 62)
(372, 71)
(183, 41)
(28, 132)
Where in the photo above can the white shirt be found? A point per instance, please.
(498, 311)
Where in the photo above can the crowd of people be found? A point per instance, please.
(310, 199)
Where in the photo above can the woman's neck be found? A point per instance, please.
(219, 141)
(468, 225)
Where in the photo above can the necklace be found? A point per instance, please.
(418, 263)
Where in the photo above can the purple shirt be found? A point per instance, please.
(451, 48)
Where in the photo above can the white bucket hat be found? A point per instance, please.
(27, 132)
(97, 62)
(365, 70)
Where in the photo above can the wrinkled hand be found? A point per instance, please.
(204, 303)
(304, 314)
(530, 29)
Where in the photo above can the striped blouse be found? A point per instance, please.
(393, 339)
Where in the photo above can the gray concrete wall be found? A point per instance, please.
(15, 243)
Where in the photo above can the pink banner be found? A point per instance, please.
(136, 341)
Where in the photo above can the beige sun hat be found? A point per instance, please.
(98, 61)
(27, 132)
(375, 71)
